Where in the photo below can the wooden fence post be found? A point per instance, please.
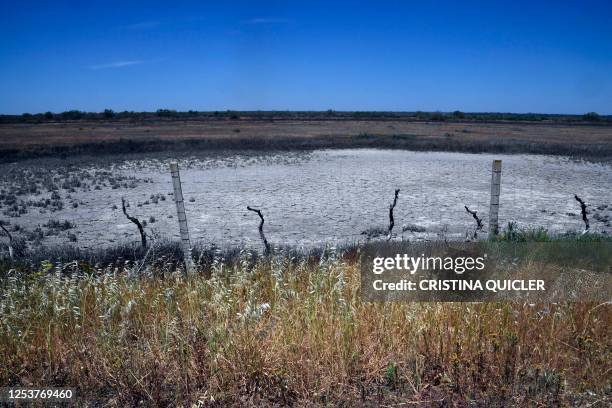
(494, 206)
(10, 244)
(182, 217)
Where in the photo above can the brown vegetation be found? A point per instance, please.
(125, 136)
(282, 331)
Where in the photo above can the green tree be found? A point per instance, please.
(72, 115)
(591, 116)
(437, 117)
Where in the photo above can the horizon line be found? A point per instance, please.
(305, 111)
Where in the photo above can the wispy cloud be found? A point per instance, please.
(117, 64)
(267, 20)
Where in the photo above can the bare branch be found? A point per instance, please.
(143, 236)
(8, 234)
(391, 220)
(10, 237)
(261, 233)
(479, 224)
(583, 209)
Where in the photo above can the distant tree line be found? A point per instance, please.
(169, 114)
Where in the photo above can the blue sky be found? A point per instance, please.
(548, 57)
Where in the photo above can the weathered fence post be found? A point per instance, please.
(143, 236)
(584, 212)
(10, 244)
(391, 220)
(261, 233)
(494, 206)
(182, 217)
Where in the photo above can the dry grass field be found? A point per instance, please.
(286, 329)
(70, 137)
(283, 332)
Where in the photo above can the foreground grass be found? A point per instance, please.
(291, 331)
